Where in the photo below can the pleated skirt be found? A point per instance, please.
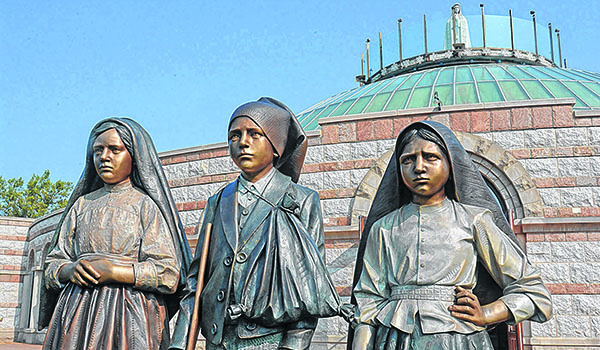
(113, 317)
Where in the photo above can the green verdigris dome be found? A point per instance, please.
(457, 85)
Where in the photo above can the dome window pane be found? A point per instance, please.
(489, 92)
(378, 102)
(398, 100)
(512, 90)
(466, 94)
(420, 98)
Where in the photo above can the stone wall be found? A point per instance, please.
(13, 269)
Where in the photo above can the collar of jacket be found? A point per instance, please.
(228, 208)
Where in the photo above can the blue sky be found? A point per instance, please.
(181, 67)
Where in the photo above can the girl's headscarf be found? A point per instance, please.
(466, 185)
(282, 129)
(148, 176)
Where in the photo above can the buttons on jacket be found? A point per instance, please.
(221, 295)
(251, 326)
(214, 329)
(245, 212)
(241, 258)
(227, 261)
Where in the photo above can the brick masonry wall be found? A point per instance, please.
(13, 233)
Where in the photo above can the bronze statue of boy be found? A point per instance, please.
(265, 283)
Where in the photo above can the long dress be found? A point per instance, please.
(122, 224)
(414, 258)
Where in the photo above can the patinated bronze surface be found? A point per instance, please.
(433, 230)
(265, 281)
(114, 268)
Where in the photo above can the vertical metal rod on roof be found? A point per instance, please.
(532, 12)
(565, 63)
(380, 52)
(362, 64)
(483, 24)
(368, 69)
(425, 31)
(400, 37)
(559, 49)
(512, 32)
(551, 45)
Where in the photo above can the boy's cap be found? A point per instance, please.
(281, 129)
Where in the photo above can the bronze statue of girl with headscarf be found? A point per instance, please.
(118, 260)
(433, 238)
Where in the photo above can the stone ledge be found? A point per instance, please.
(561, 341)
(562, 225)
(587, 113)
(341, 232)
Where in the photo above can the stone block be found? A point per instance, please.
(480, 121)
(342, 277)
(338, 258)
(571, 137)
(594, 165)
(584, 273)
(336, 207)
(384, 146)
(180, 194)
(594, 135)
(521, 118)
(539, 252)
(541, 167)
(347, 132)
(562, 116)
(586, 305)
(542, 138)
(568, 252)
(191, 217)
(573, 326)
(550, 197)
(591, 251)
(356, 176)
(364, 150)
(541, 117)
(554, 272)
(576, 197)
(546, 329)
(595, 324)
(220, 165)
(313, 181)
(336, 152)
(336, 179)
(197, 168)
(500, 119)
(562, 305)
(314, 155)
(509, 139)
(176, 171)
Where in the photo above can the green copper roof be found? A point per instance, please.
(460, 84)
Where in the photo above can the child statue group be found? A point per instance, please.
(437, 261)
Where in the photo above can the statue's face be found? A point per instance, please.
(456, 9)
(425, 171)
(111, 159)
(250, 149)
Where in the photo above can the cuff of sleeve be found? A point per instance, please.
(52, 272)
(520, 306)
(145, 276)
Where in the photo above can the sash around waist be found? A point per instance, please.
(431, 292)
(111, 257)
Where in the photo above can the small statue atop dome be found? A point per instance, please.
(457, 30)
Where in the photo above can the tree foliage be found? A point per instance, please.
(39, 197)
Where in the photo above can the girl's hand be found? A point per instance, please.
(81, 272)
(90, 273)
(468, 308)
